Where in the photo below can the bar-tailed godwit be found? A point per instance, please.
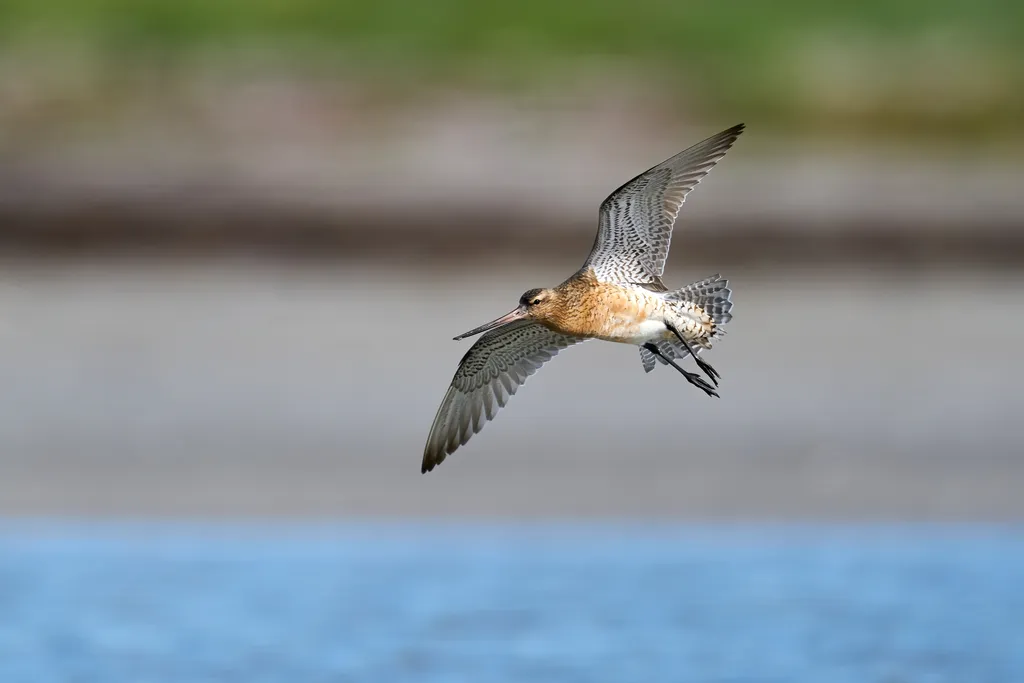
(617, 296)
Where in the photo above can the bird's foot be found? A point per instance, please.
(698, 381)
(708, 370)
(691, 377)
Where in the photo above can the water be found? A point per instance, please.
(128, 604)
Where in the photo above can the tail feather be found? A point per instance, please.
(712, 294)
(647, 358)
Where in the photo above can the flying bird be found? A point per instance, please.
(618, 296)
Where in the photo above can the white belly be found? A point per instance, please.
(638, 333)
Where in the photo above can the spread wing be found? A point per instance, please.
(635, 224)
(490, 372)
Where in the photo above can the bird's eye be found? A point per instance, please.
(535, 302)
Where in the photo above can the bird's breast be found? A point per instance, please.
(631, 317)
(612, 312)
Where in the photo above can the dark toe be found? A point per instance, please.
(711, 372)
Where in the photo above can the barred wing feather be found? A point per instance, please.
(490, 372)
(635, 222)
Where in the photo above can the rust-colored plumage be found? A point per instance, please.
(617, 296)
(583, 306)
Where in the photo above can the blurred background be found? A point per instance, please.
(236, 239)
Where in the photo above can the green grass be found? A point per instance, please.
(446, 29)
(738, 56)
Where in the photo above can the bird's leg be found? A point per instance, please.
(691, 377)
(701, 363)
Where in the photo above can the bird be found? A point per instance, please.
(617, 295)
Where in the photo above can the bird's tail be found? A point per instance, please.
(713, 295)
(715, 298)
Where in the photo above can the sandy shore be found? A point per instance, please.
(215, 388)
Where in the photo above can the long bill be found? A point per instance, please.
(516, 314)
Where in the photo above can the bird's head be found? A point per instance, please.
(534, 304)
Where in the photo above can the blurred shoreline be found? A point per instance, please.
(767, 210)
(282, 166)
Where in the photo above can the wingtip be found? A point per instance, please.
(430, 461)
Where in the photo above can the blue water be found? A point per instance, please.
(132, 604)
